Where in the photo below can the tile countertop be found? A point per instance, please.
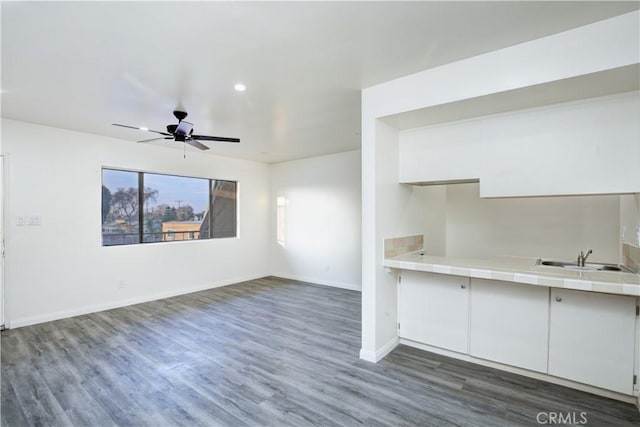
(520, 270)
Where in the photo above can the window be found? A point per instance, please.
(169, 208)
(171, 204)
(223, 207)
(281, 220)
(119, 207)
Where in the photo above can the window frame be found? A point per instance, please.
(140, 216)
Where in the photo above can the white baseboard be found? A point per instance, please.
(48, 317)
(378, 355)
(369, 356)
(520, 371)
(349, 286)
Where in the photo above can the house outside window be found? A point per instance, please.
(141, 207)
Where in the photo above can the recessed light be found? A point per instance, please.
(240, 87)
(143, 128)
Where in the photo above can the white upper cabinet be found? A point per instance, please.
(581, 147)
(558, 115)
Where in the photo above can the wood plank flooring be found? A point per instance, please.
(269, 352)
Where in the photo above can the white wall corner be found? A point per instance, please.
(378, 355)
(315, 216)
(369, 356)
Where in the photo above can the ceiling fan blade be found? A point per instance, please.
(196, 144)
(155, 139)
(139, 128)
(125, 126)
(215, 138)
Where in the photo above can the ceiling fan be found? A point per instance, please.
(182, 132)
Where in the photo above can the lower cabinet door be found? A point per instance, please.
(509, 323)
(592, 338)
(434, 309)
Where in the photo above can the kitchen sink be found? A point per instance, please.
(589, 266)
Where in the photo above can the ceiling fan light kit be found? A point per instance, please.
(182, 132)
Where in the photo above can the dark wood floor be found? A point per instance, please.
(269, 352)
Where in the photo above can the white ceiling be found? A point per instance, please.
(85, 65)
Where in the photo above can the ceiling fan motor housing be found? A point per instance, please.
(180, 115)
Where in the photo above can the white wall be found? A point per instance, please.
(59, 268)
(2, 228)
(605, 45)
(382, 204)
(630, 219)
(427, 212)
(549, 227)
(323, 216)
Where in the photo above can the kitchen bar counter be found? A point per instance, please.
(520, 270)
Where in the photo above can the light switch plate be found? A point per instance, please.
(33, 220)
(19, 220)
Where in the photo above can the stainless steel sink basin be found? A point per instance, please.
(589, 266)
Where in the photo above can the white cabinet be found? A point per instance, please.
(443, 153)
(532, 152)
(586, 337)
(434, 309)
(510, 323)
(592, 338)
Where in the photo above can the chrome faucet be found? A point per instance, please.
(583, 257)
